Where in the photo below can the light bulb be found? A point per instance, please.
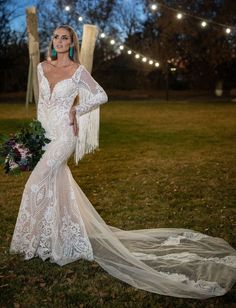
(80, 18)
(228, 30)
(137, 56)
(112, 42)
(150, 62)
(67, 8)
(153, 7)
(203, 24)
(179, 15)
(157, 64)
(121, 47)
(102, 35)
(144, 59)
(129, 52)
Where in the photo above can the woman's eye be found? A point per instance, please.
(63, 37)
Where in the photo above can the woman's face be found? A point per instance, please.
(61, 40)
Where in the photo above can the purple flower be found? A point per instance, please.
(23, 151)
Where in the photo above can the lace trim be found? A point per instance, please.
(187, 257)
(192, 236)
(207, 287)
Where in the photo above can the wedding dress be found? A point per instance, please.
(56, 221)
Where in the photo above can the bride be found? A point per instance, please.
(56, 221)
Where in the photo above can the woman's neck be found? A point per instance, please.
(62, 60)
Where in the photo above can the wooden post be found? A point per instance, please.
(90, 33)
(29, 92)
(34, 55)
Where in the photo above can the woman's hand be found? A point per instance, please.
(73, 120)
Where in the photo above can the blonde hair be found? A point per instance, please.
(74, 41)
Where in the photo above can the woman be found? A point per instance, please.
(57, 222)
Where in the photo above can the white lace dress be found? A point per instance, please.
(56, 221)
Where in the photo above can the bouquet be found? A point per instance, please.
(23, 150)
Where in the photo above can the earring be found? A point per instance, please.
(71, 52)
(54, 52)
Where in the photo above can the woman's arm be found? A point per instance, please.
(96, 94)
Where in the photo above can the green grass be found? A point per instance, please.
(159, 165)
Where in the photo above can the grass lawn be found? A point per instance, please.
(159, 165)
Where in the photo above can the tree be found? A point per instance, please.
(13, 50)
(184, 42)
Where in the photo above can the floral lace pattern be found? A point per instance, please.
(46, 225)
(175, 240)
(204, 286)
(188, 257)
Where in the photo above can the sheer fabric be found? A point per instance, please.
(56, 221)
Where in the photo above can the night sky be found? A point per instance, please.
(19, 23)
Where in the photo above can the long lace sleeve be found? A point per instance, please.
(91, 93)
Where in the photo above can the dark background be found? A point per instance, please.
(202, 58)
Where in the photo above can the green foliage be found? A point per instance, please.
(34, 139)
(24, 149)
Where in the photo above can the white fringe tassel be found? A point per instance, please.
(88, 136)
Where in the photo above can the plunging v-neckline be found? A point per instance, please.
(58, 82)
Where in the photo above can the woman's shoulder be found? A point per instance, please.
(43, 62)
(46, 65)
(43, 65)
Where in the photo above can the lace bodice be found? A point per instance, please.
(65, 91)
(54, 105)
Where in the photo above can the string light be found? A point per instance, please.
(121, 47)
(129, 52)
(154, 7)
(179, 16)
